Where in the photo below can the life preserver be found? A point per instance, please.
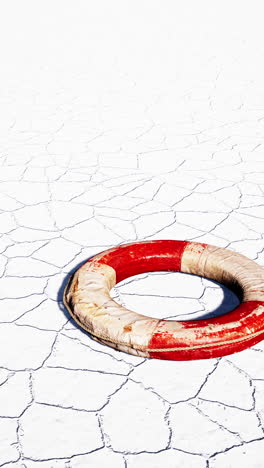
(88, 300)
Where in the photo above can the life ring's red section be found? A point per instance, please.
(212, 344)
(141, 257)
(237, 330)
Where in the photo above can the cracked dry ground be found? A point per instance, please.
(95, 153)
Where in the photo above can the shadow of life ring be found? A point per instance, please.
(87, 298)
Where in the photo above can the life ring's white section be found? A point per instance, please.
(101, 315)
(226, 267)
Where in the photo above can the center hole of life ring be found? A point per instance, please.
(174, 296)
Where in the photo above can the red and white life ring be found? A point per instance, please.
(88, 300)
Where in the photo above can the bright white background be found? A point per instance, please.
(123, 121)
